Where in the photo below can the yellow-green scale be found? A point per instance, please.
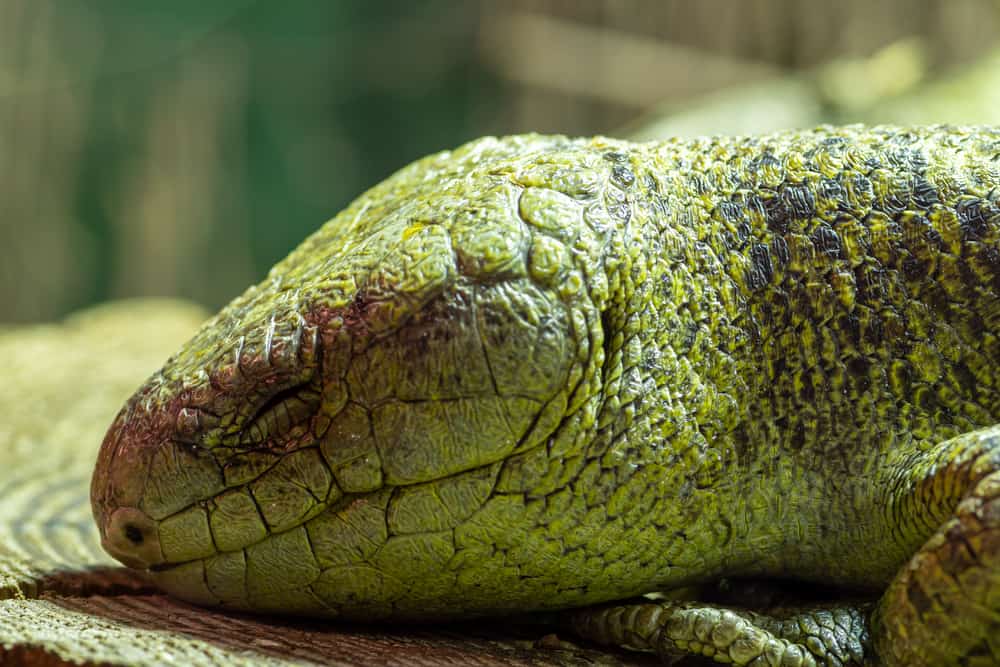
(556, 372)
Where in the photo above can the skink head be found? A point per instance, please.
(427, 333)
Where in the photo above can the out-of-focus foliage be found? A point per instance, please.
(181, 148)
(151, 148)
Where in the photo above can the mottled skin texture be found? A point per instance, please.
(540, 372)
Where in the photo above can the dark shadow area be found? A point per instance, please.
(123, 597)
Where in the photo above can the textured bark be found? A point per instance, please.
(64, 601)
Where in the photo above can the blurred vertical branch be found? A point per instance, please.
(178, 195)
(46, 255)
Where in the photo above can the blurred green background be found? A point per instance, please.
(180, 148)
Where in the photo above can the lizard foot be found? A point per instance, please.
(943, 607)
(793, 637)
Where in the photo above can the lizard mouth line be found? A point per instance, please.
(272, 533)
(163, 567)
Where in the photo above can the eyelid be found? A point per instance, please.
(281, 413)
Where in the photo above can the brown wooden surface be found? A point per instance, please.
(62, 600)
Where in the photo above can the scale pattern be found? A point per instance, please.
(538, 372)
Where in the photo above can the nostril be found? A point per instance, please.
(133, 534)
(132, 537)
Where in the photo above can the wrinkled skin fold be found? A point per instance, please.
(538, 373)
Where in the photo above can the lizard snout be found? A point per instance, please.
(127, 532)
(147, 485)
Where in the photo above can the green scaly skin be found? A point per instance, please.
(537, 373)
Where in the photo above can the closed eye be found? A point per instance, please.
(281, 413)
